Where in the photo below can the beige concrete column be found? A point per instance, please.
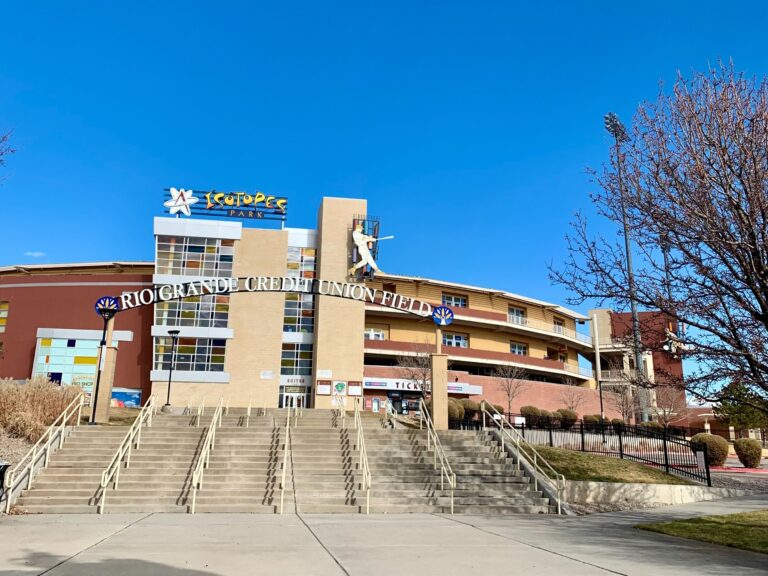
(105, 386)
(439, 364)
(339, 322)
(107, 367)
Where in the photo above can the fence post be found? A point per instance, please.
(583, 446)
(551, 440)
(666, 453)
(621, 444)
(706, 465)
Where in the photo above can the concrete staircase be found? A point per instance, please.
(246, 468)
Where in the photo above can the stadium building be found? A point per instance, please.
(282, 316)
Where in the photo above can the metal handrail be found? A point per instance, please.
(446, 472)
(205, 454)
(112, 471)
(286, 451)
(248, 414)
(200, 412)
(528, 453)
(363, 462)
(338, 401)
(45, 443)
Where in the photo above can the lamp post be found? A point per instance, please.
(106, 307)
(616, 129)
(174, 334)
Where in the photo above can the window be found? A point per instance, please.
(562, 357)
(207, 311)
(389, 287)
(559, 325)
(457, 340)
(518, 348)
(517, 316)
(454, 301)
(3, 315)
(66, 360)
(296, 360)
(375, 334)
(192, 354)
(184, 256)
(299, 312)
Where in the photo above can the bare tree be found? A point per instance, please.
(5, 147)
(692, 177)
(620, 398)
(572, 395)
(511, 382)
(416, 368)
(671, 405)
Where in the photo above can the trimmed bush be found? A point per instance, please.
(717, 447)
(471, 408)
(531, 414)
(455, 410)
(567, 418)
(500, 409)
(749, 451)
(618, 424)
(652, 426)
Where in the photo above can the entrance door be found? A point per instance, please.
(293, 400)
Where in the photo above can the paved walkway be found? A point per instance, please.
(418, 544)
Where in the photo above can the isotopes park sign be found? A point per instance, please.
(166, 292)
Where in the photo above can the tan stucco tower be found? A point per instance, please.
(339, 351)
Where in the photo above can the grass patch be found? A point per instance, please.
(747, 530)
(593, 468)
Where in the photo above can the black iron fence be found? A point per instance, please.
(658, 448)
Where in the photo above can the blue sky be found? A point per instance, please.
(467, 125)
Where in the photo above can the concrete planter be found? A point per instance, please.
(636, 494)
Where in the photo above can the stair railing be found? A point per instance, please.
(286, 453)
(200, 412)
(362, 464)
(54, 434)
(525, 451)
(131, 441)
(248, 414)
(433, 442)
(338, 402)
(205, 453)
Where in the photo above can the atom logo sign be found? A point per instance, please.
(442, 315)
(181, 201)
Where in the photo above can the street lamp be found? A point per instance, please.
(616, 129)
(106, 307)
(174, 334)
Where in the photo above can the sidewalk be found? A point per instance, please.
(320, 545)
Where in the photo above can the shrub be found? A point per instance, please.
(455, 410)
(531, 414)
(652, 426)
(500, 409)
(567, 418)
(26, 410)
(590, 420)
(749, 451)
(618, 424)
(470, 408)
(716, 446)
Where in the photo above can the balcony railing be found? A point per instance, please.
(581, 370)
(618, 375)
(551, 328)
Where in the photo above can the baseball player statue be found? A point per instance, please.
(364, 243)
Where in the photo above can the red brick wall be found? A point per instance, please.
(56, 305)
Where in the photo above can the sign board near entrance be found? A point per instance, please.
(242, 205)
(359, 292)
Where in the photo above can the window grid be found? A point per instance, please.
(72, 361)
(299, 312)
(296, 360)
(207, 311)
(518, 348)
(192, 354)
(456, 340)
(190, 256)
(517, 316)
(454, 300)
(374, 334)
(3, 315)
(559, 326)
